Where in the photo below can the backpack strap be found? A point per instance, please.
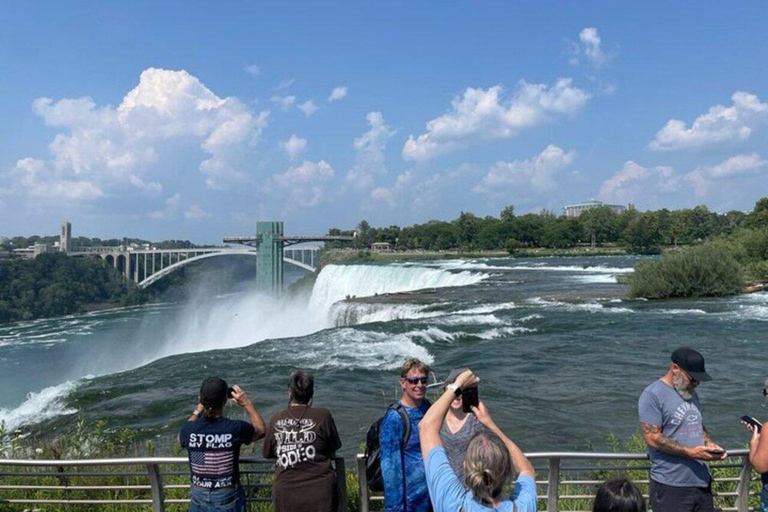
(400, 409)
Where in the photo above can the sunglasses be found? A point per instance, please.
(415, 380)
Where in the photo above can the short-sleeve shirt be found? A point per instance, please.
(456, 444)
(302, 439)
(448, 495)
(681, 421)
(214, 451)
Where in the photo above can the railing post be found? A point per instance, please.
(156, 483)
(553, 492)
(742, 488)
(362, 481)
(341, 478)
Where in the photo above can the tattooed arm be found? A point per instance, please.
(656, 439)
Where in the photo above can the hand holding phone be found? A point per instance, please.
(751, 423)
(469, 399)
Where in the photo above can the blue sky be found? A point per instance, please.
(195, 120)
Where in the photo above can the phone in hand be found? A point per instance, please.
(752, 422)
(230, 392)
(469, 398)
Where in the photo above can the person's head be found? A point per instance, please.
(618, 494)
(413, 379)
(213, 396)
(456, 403)
(687, 370)
(302, 387)
(487, 467)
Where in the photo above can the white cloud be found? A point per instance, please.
(739, 166)
(252, 69)
(481, 114)
(294, 146)
(590, 46)
(635, 183)
(103, 148)
(195, 212)
(308, 107)
(338, 93)
(44, 183)
(284, 102)
(720, 124)
(369, 152)
(284, 84)
(305, 184)
(534, 175)
(171, 208)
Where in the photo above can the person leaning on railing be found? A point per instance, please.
(213, 442)
(488, 463)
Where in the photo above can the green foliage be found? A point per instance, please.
(54, 284)
(640, 232)
(708, 270)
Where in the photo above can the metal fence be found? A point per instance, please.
(82, 482)
(568, 480)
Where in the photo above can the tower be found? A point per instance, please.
(65, 237)
(269, 260)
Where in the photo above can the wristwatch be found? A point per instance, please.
(456, 389)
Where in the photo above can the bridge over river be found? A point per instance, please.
(270, 247)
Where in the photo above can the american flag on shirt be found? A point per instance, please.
(212, 463)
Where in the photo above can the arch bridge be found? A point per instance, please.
(146, 266)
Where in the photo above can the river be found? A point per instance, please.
(562, 354)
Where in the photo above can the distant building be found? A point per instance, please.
(381, 247)
(574, 210)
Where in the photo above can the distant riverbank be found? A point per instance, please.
(357, 256)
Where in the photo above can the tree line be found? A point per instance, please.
(22, 242)
(53, 284)
(642, 232)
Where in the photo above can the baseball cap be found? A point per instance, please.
(692, 362)
(213, 392)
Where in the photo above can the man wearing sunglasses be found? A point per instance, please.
(402, 467)
(678, 443)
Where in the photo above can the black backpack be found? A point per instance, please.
(373, 447)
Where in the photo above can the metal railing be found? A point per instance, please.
(570, 479)
(144, 476)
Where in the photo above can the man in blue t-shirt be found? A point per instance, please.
(678, 443)
(405, 467)
(213, 443)
(488, 464)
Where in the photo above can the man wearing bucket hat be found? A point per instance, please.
(678, 443)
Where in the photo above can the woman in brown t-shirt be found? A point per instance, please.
(303, 439)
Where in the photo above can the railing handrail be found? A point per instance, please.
(117, 462)
(554, 467)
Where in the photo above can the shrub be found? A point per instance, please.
(708, 270)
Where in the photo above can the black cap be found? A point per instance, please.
(691, 362)
(213, 392)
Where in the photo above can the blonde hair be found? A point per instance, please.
(413, 363)
(487, 467)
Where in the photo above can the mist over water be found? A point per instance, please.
(563, 356)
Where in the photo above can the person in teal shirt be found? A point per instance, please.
(491, 456)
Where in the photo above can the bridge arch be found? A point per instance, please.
(172, 268)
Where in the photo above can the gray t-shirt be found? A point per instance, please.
(456, 444)
(681, 421)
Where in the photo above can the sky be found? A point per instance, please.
(194, 120)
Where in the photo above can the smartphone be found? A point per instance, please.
(469, 398)
(230, 392)
(749, 420)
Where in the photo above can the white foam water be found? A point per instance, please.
(573, 268)
(41, 405)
